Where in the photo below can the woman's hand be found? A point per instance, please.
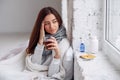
(42, 34)
(53, 45)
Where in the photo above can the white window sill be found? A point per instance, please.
(97, 69)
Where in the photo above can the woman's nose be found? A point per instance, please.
(51, 25)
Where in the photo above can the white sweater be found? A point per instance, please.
(57, 69)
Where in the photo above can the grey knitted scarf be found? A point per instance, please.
(61, 33)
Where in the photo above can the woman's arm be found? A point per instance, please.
(56, 69)
(59, 68)
(36, 57)
(33, 62)
(62, 68)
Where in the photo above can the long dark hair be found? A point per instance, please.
(34, 38)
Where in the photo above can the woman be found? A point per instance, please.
(48, 55)
(55, 56)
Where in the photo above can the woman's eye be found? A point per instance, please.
(46, 23)
(54, 21)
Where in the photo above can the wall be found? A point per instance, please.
(87, 18)
(20, 15)
(67, 15)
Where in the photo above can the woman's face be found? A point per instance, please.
(51, 24)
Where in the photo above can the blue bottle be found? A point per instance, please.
(82, 46)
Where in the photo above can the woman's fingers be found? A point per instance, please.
(52, 39)
(42, 33)
(52, 43)
(51, 48)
